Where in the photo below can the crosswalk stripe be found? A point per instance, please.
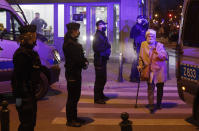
(127, 89)
(128, 93)
(131, 110)
(101, 121)
(122, 86)
(129, 101)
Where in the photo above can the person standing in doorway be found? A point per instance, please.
(137, 34)
(26, 78)
(40, 23)
(74, 63)
(102, 51)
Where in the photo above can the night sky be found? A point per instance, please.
(169, 4)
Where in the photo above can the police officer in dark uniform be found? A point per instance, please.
(74, 63)
(138, 35)
(102, 51)
(25, 78)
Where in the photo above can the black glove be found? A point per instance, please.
(86, 63)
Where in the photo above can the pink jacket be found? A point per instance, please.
(155, 56)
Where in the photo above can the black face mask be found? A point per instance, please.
(77, 35)
(30, 46)
(103, 29)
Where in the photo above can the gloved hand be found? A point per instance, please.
(18, 102)
(86, 65)
(139, 68)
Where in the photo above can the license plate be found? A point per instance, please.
(189, 72)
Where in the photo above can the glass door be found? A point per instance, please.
(78, 15)
(97, 13)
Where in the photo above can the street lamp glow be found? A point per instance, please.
(84, 38)
(91, 38)
(156, 15)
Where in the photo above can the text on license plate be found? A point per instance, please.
(189, 72)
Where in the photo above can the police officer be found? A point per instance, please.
(74, 62)
(25, 78)
(40, 23)
(102, 50)
(138, 35)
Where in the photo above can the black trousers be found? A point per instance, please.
(27, 113)
(74, 92)
(134, 76)
(100, 80)
(150, 91)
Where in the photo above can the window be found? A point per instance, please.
(191, 26)
(60, 20)
(8, 26)
(41, 15)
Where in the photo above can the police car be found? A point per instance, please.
(188, 57)
(50, 58)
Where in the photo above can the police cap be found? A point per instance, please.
(73, 26)
(27, 28)
(100, 22)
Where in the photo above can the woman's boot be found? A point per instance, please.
(159, 94)
(151, 97)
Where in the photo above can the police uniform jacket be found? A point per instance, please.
(138, 34)
(26, 74)
(101, 47)
(74, 55)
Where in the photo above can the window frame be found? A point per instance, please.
(12, 18)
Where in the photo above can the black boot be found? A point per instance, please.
(150, 92)
(151, 109)
(73, 123)
(159, 94)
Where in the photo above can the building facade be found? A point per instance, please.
(119, 14)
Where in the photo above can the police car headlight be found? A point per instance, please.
(57, 56)
(183, 88)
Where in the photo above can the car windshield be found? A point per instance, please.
(19, 12)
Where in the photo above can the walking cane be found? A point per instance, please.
(137, 91)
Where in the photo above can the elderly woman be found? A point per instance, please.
(152, 61)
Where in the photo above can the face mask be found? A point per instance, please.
(139, 21)
(29, 46)
(77, 35)
(103, 29)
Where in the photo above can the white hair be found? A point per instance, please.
(150, 31)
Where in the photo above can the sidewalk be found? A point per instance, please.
(88, 76)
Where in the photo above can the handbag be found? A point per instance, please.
(144, 75)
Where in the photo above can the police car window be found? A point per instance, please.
(8, 26)
(2, 22)
(191, 26)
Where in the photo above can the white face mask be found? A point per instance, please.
(139, 21)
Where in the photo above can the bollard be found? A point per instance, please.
(126, 125)
(5, 116)
(120, 76)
